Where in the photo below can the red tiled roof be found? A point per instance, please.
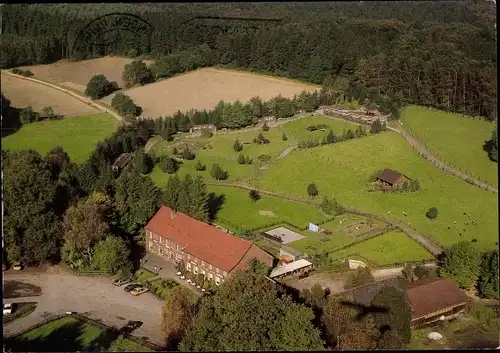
(199, 239)
(430, 295)
(254, 253)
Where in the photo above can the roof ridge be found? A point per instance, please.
(246, 252)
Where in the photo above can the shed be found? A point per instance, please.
(432, 298)
(121, 161)
(392, 177)
(207, 127)
(296, 267)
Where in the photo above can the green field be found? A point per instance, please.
(240, 213)
(340, 236)
(341, 170)
(219, 148)
(70, 335)
(389, 248)
(455, 139)
(77, 135)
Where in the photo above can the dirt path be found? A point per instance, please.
(425, 153)
(71, 93)
(413, 234)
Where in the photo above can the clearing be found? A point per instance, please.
(23, 93)
(342, 170)
(455, 139)
(76, 74)
(44, 135)
(70, 334)
(392, 247)
(204, 88)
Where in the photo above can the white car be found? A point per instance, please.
(7, 309)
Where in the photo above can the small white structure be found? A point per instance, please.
(436, 336)
(313, 227)
(355, 264)
(299, 266)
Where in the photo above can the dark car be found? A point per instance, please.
(131, 326)
(131, 287)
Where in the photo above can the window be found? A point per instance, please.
(203, 272)
(217, 280)
(209, 267)
(172, 255)
(195, 270)
(188, 266)
(150, 235)
(210, 276)
(160, 250)
(150, 246)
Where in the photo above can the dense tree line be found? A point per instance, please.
(439, 54)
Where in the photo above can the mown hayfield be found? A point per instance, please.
(76, 74)
(389, 248)
(219, 148)
(238, 210)
(204, 88)
(78, 135)
(341, 170)
(455, 139)
(23, 93)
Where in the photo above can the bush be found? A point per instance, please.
(248, 160)
(27, 73)
(199, 167)
(237, 146)
(284, 137)
(241, 159)
(264, 157)
(432, 213)
(17, 71)
(99, 86)
(265, 127)
(206, 133)
(312, 191)
(125, 106)
(308, 143)
(136, 73)
(331, 207)
(168, 164)
(218, 173)
(188, 155)
(260, 139)
(27, 115)
(254, 195)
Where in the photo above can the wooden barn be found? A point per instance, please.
(392, 178)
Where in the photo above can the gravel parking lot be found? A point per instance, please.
(94, 297)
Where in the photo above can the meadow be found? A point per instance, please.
(23, 93)
(456, 140)
(389, 248)
(219, 148)
(342, 170)
(69, 334)
(204, 88)
(239, 212)
(77, 136)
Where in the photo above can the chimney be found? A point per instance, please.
(173, 213)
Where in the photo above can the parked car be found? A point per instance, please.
(139, 290)
(7, 309)
(120, 281)
(131, 287)
(17, 266)
(131, 326)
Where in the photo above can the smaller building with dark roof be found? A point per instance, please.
(392, 178)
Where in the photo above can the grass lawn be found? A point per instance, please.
(239, 210)
(455, 139)
(389, 248)
(161, 287)
(68, 335)
(125, 345)
(297, 128)
(339, 237)
(77, 135)
(143, 275)
(20, 310)
(341, 170)
(240, 213)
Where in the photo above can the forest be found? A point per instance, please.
(439, 54)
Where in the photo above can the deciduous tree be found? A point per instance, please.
(112, 255)
(487, 283)
(461, 264)
(178, 314)
(312, 191)
(361, 276)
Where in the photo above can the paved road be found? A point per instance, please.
(413, 234)
(94, 297)
(428, 155)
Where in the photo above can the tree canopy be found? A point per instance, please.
(461, 264)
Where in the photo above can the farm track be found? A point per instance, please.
(430, 246)
(71, 93)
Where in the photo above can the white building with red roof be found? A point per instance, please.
(203, 248)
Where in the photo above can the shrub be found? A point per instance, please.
(312, 191)
(27, 115)
(188, 155)
(125, 106)
(264, 157)
(265, 127)
(27, 73)
(331, 207)
(17, 71)
(284, 137)
(199, 167)
(99, 86)
(260, 139)
(206, 133)
(241, 159)
(168, 165)
(308, 143)
(136, 73)
(432, 213)
(248, 160)
(254, 195)
(218, 173)
(237, 146)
